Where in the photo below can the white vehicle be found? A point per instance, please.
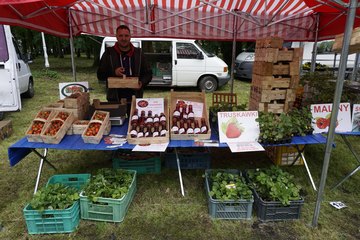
(179, 63)
(15, 75)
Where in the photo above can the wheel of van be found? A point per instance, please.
(208, 83)
(31, 91)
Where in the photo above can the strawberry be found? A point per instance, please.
(322, 123)
(232, 128)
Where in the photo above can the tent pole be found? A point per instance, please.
(233, 54)
(45, 50)
(314, 51)
(339, 87)
(72, 50)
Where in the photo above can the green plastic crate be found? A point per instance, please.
(188, 158)
(52, 221)
(72, 180)
(151, 165)
(108, 209)
(275, 211)
(229, 209)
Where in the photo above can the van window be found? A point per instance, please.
(325, 47)
(4, 53)
(186, 50)
(17, 50)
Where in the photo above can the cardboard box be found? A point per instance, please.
(149, 140)
(123, 82)
(115, 109)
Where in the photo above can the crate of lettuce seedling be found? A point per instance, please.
(72, 180)
(277, 196)
(229, 197)
(108, 195)
(53, 209)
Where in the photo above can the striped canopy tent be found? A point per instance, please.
(244, 20)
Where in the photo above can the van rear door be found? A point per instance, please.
(9, 85)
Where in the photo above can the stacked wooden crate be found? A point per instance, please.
(275, 76)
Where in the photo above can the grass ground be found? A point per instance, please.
(158, 210)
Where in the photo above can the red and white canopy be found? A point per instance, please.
(198, 19)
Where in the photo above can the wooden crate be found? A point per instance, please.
(194, 97)
(40, 114)
(103, 128)
(270, 42)
(6, 129)
(269, 69)
(115, 109)
(79, 126)
(272, 82)
(77, 100)
(229, 98)
(123, 82)
(264, 95)
(354, 46)
(149, 140)
(274, 107)
(97, 138)
(55, 105)
(56, 139)
(275, 55)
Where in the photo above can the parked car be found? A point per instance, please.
(15, 74)
(243, 65)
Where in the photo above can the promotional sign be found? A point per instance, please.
(238, 126)
(68, 88)
(245, 147)
(356, 118)
(321, 114)
(156, 105)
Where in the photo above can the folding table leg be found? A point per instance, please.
(301, 153)
(180, 175)
(42, 160)
(356, 157)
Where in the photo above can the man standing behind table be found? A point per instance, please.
(124, 59)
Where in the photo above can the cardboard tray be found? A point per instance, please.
(123, 82)
(149, 140)
(194, 97)
(35, 137)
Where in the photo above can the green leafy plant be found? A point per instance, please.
(54, 196)
(228, 186)
(108, 183)
(274, 128)
(224, 107)
(301, 121)
(274, 184)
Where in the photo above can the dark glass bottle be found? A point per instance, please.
(204, 128)
(174, 126)
(156, 118)
(163, 130)
(190, 129)
(176, 112)
(133, 131)
(134, 117)
(197, 128)
(141, 132)
(182, 129)
(155, 132)
(191, 114)
(162, 117)
(149, 118)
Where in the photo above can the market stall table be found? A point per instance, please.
(352, 150)
(22, 148)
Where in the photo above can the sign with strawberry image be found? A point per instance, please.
(238, 126)
(321, 114)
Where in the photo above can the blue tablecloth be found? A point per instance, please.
(22, 148)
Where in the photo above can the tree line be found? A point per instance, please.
(88, 46)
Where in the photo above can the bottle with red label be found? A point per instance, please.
(204, 128)
(155, 131)
(142, 116)
(141, 132)
(184, 114)
(149, 118)
(156, 118)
